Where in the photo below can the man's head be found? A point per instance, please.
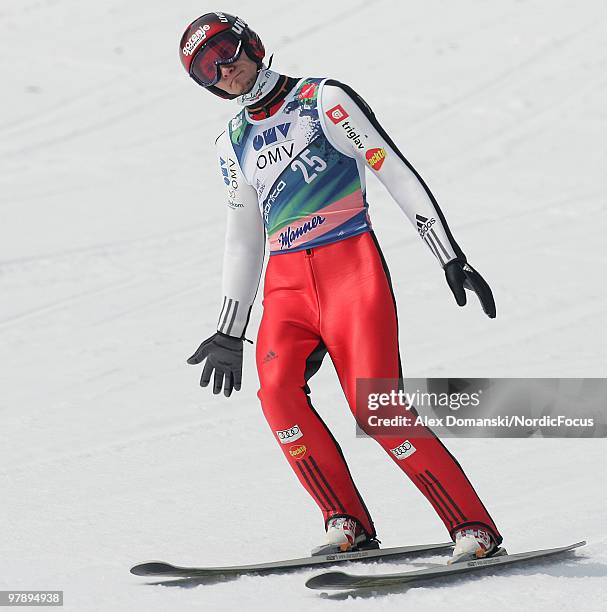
(222, 54)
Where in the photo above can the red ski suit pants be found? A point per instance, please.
(338, 298)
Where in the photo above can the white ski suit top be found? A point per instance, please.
(298, 177)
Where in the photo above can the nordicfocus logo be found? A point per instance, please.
(375, 158)
(298, 451)
(337, 114)
(424, 224)
(286, 436)
(406, 449)
(199, 35)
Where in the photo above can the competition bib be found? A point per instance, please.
(309, 193)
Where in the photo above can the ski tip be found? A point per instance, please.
(151, 567)
(320, 580)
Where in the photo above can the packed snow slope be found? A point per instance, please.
(111, 234)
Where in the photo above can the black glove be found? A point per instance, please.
(460, 276)
(224, 355)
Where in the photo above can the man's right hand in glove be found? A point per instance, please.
(224, 355)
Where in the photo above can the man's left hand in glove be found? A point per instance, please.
(461, 276)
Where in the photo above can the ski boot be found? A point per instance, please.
(344, 534)
(474, 543)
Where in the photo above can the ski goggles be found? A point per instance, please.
(222, 49)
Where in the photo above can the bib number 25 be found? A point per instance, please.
(311, 168)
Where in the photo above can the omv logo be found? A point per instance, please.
(229, 174)
(271, 136)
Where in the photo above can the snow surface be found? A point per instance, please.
(111, 231)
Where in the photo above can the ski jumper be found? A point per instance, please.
(298, 177)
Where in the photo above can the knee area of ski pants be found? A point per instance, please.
(275, 392)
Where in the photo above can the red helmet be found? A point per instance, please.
(213, 40)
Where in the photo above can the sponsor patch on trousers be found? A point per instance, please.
(287, 436)
(406, 449)
(298, 451)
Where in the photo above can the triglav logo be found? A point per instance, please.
(337, 114)
(199, 35)
(406, 449)
(286, 436)
(352, 134)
